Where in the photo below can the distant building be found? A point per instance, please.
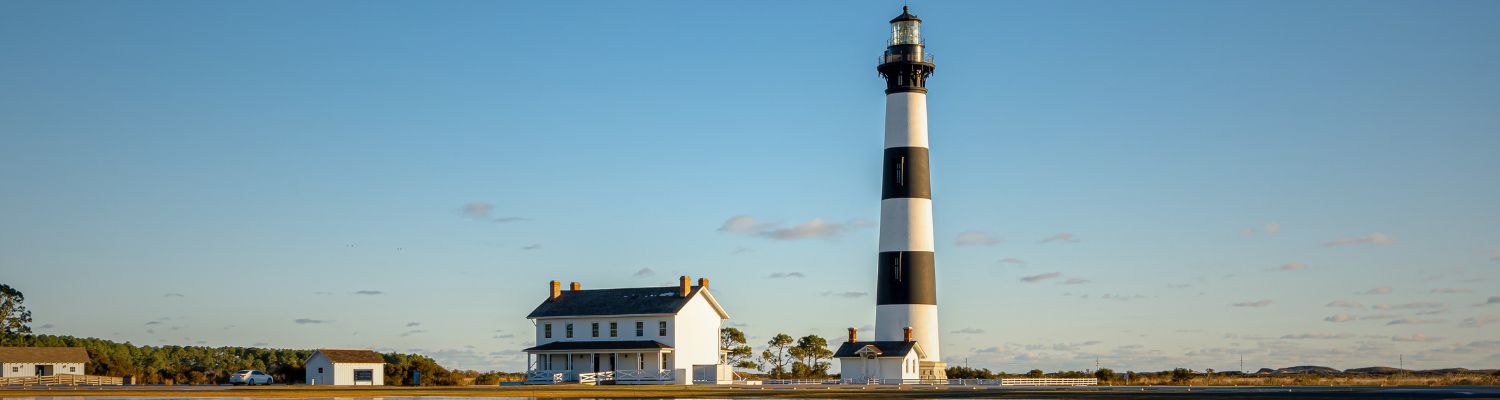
(892, 362)
(628, 336)
(345, 368)
(42, 361)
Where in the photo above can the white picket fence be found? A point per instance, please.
(62, 380)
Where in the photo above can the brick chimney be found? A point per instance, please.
(554, 290)
(908, 333)
(853, 335)
(703, 282)
(687, 285)
(575, 286)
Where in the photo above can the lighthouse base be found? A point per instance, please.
(933, 370)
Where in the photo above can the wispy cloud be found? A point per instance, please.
(310, 321)
(1270, 228)
(741, 250)
(1010, 261)
(46, 326)
(1318, 335)
(482, 211)
(1415, 338)
(1344, 304)
(1479, 321)
(817, 228)
(1373, 238)
(784, 275)
(369, 292)
(1075, 281)
(1450, 290)
(1378, 291)
(536, 246)
(1495, 254)
(847, 295)
(1296, 266)
(968, 331)
(1339, 318)
(173, 295)
(1040, 277)
(1064, 237)
(643, 273)
(412, 324)
(975, 238)
(1257, 303)
(413, 332)
(1408, 306)
(1413, 321)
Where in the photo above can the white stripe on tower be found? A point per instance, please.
(906, 292)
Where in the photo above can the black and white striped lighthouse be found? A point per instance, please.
(907, 292)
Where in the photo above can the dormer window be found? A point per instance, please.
(640, 328)
(547, 331)
(661, 328)
(596, 329)
(614, 329)
(569, 331)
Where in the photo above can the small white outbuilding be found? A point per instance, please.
(345, 368)
(42, 361)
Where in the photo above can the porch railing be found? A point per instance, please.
(637, 375)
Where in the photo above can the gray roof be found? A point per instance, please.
(627, 301)
(887, 349)
(602, 345)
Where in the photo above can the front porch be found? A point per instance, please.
(615, 366)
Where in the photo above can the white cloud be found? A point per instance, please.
(1415, 338)
(1041, 277)
(781, 275)
(1339, 318)
(1075, 281)
(1272, 227)
(747, 225)
(1479, 321)
(1344, 304)
(1296, 266)
(1011, 261)
(1451, 290)
(535, 246)
(1061, 237)
(1318, 335)
(968, 331)
(1413, 321)
(1495, 254)
(413, 324)
(481, 211)
(1373, 238)
(1378, 291)
(369, 292)
(1408, 306)
(1257, 303)
(847, 295)
(975, 238)
(307, 321)
(643, 273)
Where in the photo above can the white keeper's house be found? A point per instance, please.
(345, 368)
(649, 335)
(881, 362)
(42, 361)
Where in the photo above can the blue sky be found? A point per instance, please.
(1216, 179)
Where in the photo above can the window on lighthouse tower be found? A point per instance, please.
(905, 32)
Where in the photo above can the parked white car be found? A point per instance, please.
(250, 377)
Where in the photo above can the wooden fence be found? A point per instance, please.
(62, 380)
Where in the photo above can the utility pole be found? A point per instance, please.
(1242, 363)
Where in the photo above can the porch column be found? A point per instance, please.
(528, 362)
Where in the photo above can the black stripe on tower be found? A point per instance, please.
(906, 277)
(906, 174)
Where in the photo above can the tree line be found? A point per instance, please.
(212, 365)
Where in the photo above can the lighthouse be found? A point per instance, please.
(906, 296)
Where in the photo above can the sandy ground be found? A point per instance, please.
(809, 391)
